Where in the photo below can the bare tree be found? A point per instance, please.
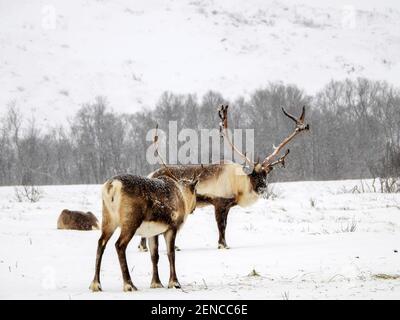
(355, 134)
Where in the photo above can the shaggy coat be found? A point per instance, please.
(221, 185)
(77, 220)
(146, 207)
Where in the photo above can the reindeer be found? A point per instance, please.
(77, 220)
(147, 207)
(226, 185)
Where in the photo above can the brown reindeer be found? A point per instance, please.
(147, 207)
(77, 220)
(225, 185)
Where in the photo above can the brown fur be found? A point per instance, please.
(148, 207)
(221, 185)
(188, 171)
(226, 180)
(77, 220)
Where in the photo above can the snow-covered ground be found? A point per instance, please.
(56, 55)
(300, 245)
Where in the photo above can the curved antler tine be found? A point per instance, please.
(226, 115)
(286, 153)
(282, 160)
(201, 172)
(155, 143)
(300, 126)
(220, 112)
(289, 115)
(155, 138)
(303, 114)
(223, 114)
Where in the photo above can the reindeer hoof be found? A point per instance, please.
(222, 246)
(177, 248)
(155, 285)
(128, 287)
(174, 284)
(143, 249)
(95, 286)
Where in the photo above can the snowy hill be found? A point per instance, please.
(316, 240)
(56, 55)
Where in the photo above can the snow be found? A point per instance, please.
(131, 52)
(299, 245)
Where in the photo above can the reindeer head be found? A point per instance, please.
(260, 170)
(188, 188)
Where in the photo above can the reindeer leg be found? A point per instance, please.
(222, 207)
(170, 236)
(221, 215)
(153, 244)
(107, 232)
(126, 235)
(143, 246)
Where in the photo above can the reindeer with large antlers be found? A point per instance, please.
(225, 185)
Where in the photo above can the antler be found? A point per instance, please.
(281, 161)
(223, 128)
(300, 126)
(155, 142)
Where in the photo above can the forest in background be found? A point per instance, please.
(355, 133)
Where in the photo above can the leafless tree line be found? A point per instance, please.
(355, 133)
